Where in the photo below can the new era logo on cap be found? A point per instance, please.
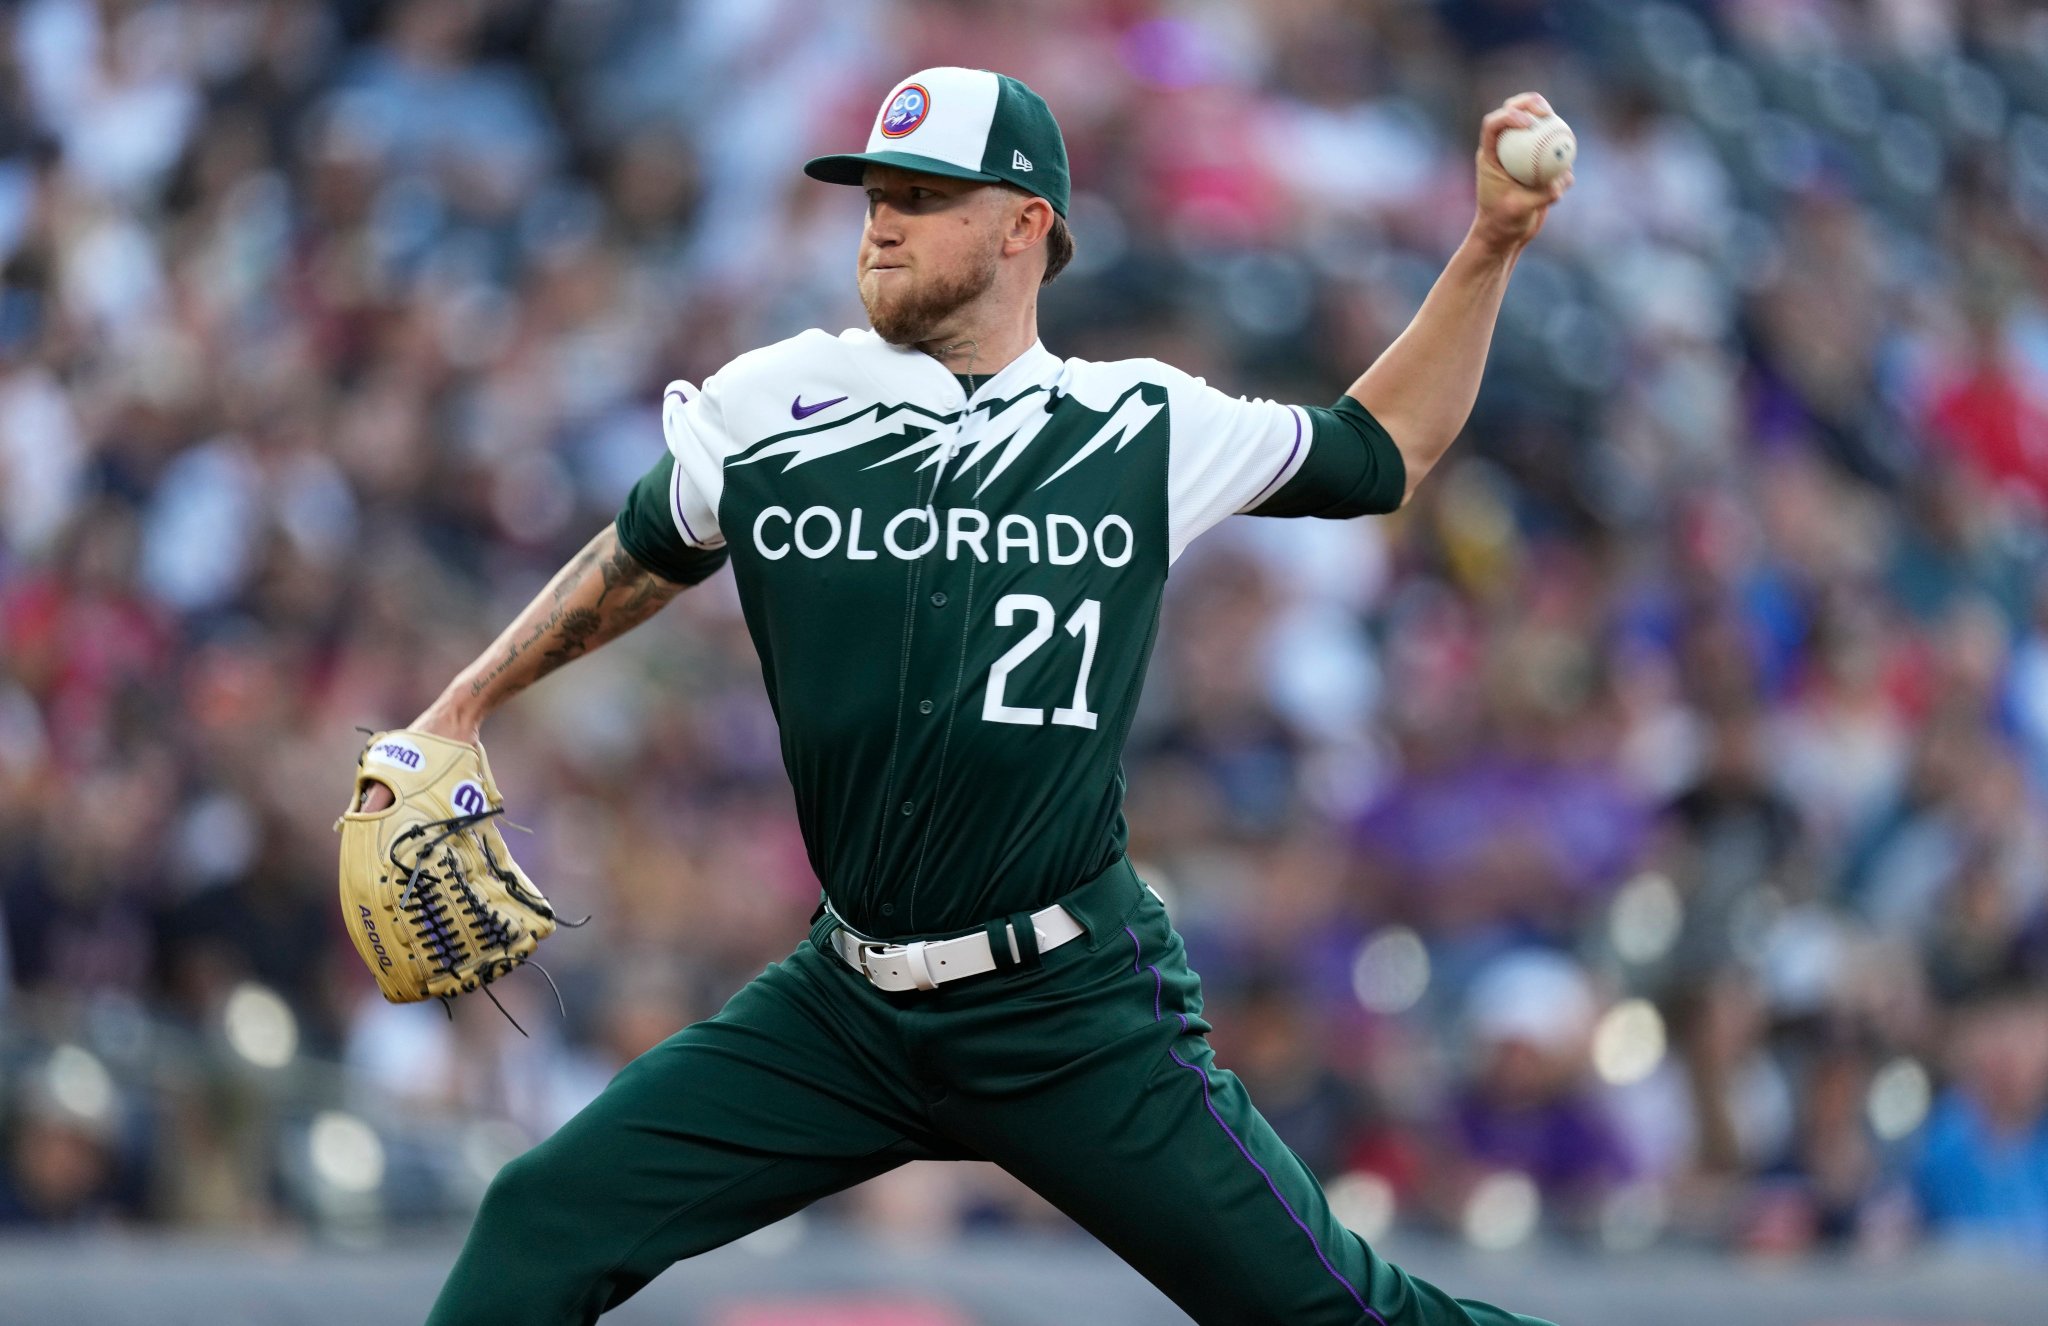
(1018, 161)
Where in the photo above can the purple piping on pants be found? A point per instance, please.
(1158, 983)
(1292, 452)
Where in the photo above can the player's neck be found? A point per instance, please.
(984, 347)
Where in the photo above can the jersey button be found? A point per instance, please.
(909, 807)
(939, 599)
(888, 909)
(924, 706)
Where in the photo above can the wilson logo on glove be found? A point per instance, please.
(469, 798)
(403, 754)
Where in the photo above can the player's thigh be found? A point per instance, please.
(780, 1077)
(784, 1097)
(1150, 1146)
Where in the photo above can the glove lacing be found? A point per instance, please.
(432, 915)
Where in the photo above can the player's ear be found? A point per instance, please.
(1030, 219)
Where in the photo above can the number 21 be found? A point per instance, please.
(1085, 622)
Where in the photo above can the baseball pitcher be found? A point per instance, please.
(950, 544)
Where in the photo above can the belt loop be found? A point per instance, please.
(998, 932)
(1026, 938)
(1103, 903)
(918, 960)
(823, 923)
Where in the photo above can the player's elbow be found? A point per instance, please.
(1416, 474)
(1417, 460)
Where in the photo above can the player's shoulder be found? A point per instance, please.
(765, 390)
(1101, 383)
(776, 360)
(813, 361)
(1117, 376)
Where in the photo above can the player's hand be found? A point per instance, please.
(1510, 212)
(442, 723)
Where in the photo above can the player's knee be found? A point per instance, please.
(491, 1282)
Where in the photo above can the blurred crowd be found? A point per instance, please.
(1636, 840)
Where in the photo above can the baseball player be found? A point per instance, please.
(950, 545)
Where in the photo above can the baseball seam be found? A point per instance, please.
(1537, 153)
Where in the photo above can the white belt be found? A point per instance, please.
(928, 964)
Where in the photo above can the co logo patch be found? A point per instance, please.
(907, 110)
(469, 797)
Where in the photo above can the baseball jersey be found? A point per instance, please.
(954, 595)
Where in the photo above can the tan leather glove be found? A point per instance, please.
(431, 896)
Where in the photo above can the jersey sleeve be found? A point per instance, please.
(670, 520)
(650, 532)
(1232, 454)
(1352, 468)
(693, 424)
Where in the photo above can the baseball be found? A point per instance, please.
(1538, 154)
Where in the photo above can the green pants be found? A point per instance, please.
(1088, 1077)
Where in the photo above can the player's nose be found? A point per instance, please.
(883, 229)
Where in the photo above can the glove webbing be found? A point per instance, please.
(432, 919)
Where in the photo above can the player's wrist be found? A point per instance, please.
(1493, 241)
(454, 717)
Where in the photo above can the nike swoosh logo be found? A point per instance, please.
(799, 410)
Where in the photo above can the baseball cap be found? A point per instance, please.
(969, 124)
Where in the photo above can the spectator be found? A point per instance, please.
(1531, 1106)
(1982, 1173)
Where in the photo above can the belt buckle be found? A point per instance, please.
(865, 947)
(913, 955)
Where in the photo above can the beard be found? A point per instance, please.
(915, 309)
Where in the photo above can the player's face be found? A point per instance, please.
(931, 246)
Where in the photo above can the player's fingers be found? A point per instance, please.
(376, 799)
(1533, 102)
(1503, 119)
(1497, 123)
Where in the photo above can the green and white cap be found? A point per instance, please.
(970, 124)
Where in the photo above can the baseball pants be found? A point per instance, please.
(1088, 1077)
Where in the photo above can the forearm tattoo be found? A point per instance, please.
(629, 595)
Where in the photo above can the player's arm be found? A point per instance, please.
(600, 595)
(622, 577)
(1422, 387)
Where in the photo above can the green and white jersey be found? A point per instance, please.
(954, 596)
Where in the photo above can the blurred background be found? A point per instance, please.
(1625, 866)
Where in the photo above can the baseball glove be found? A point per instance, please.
(432, 897)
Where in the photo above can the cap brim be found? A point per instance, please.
(849, 167)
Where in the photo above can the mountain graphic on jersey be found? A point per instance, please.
(1000, 432)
